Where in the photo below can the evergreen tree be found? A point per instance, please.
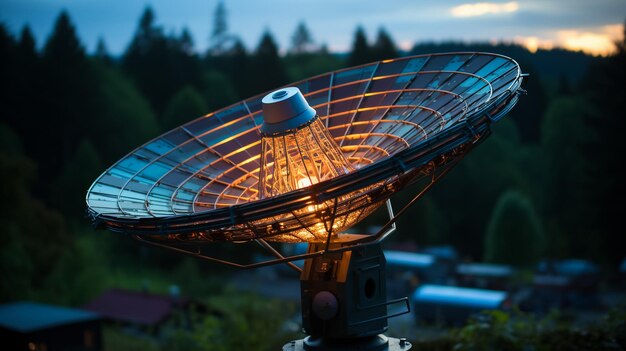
(563, 136)
(239, 69)
(34, 236)
(514, 234)
(220, 25)
(604, 86)
(10, 143)
(564, 86)
(425, 224)
(7, 44)
(68, 189)
(384, 48)
(236, 65)
(268, 70)
(303, 66)
(8, 72)
(147, 32)
(361, 51)
(186, 42)
(122, 118)
(507, 164)
(68, 94)
(185, 106)
(238, 49)
(301, 41)
(29, 67)
(27, 46)
(143, 61)
(160, 65)
(102, 53)
(14, 57)
(221, 40)
(63, 46)
(217, 89)
(528, 115)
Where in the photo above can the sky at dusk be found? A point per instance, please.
(588, 25)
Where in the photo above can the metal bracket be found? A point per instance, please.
(382, 233)
(386, 303)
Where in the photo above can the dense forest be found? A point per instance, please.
(547, 183)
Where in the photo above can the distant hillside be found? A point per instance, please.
(549, 64)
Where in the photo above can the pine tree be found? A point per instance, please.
(514, 233)
(220, 38)
(102, 53)
(220, 25)
(563, 135)
(361, 52)
(68, 92)
(67, 190)
(236, 64)
(185, 106)
(301, 41)
(186, 42)
(604, 87)
(35, 236)
(384, 48)
(528, 115)
(268, 69)
(63, 47)
(26, 45)
(217, 89)
(160, 65)
(147, 32)
(145, 38)
(9, 74)
(120, 111)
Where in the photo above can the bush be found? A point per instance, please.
(239, 322)
(497, 330)
(514, 233)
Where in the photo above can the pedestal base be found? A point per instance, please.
(375, 343)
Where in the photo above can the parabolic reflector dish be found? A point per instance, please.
(395, 121)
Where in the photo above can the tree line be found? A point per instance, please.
(547, 179)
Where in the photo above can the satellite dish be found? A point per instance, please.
(307, 162)
(391, 120)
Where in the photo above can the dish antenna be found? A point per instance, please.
(305, 163)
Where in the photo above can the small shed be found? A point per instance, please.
(135, 308)
(454, 305)
(485, 275)
(563, 284)
(406, 270)
(34, 326)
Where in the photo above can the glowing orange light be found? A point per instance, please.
(300, 159)
(300, 156)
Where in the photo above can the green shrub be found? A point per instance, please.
(514, 233)
(239, 322)
(498, 330)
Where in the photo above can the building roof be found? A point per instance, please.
(452, 295)
(27, 317)
(134, 306)
(485, 270)
(570, 267)
(409, 259)
(445, 252)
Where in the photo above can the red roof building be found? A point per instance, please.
(134, 307)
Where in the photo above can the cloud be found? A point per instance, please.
(533, 43)
(483, 8)
(594, 41)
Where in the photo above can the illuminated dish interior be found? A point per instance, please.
(391, 122)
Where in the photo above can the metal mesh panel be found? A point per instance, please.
(394, 121)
